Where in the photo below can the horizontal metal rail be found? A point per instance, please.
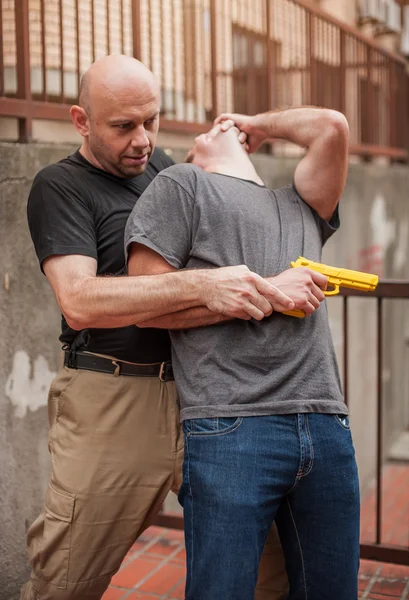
(209, 57)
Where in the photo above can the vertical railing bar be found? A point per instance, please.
(162, 56)
(136, 28)
(269, 60)
(2, 90)
(43, 51)
(406, 85)
(370, 95)
(379, 432)
(345, 348)
(194, 9)
(313, 65)
(62, 87)
(77, 34)
(391, 111)
(21, 17)
(186, 38)
(184, 82)
(108, 27)
(151, 36)
(213, 25)
(122, 25)
(93, 30)
(198, 51)
(174, 58)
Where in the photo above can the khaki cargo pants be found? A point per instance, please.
(117, 450)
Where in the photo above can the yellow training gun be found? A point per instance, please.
(336, 278)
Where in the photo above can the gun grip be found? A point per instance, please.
(295, 313)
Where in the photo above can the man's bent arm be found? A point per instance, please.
(320, 176)
(200, 316)
(88, 301)
(145, 261)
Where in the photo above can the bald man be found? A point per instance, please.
(114, 434)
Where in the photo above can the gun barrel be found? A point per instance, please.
(365, 286)
(341, 277)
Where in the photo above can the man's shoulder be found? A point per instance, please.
(185, 174)
(61, 170)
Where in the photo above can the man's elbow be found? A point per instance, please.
(75, 321)
(336, 128)
(76, 317)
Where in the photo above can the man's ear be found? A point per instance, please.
(80, 119)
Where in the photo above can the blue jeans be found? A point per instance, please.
(240, 474)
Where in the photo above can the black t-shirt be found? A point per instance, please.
(76, 208)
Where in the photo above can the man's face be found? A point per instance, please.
(123, 130)
(214, 144)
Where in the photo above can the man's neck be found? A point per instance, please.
(242, 169)
(88, 155)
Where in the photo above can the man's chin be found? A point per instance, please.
(132, 166)
(128, 171)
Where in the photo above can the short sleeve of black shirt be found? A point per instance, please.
(59, 218)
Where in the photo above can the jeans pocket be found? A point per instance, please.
(56, 542)
(211, 427)
(343, 421)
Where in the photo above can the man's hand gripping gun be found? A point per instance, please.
(336, 278)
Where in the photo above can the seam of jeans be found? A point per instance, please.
(191, 500)
(231, 429)
(300, 548)
(302, 445)
(307, 429)
(299, 472)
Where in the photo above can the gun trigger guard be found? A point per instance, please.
(333, 292)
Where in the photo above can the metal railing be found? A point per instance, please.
(386, 290)
(247, 56)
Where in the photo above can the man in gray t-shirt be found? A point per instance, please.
(266, 432)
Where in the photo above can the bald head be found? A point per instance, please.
(118, 115)
(112, 75)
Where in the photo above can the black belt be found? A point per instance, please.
(91, 362)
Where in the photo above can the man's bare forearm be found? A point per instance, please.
(199, 316)
(106, 302)
(301, 126)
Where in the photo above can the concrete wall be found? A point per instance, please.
(374, 235)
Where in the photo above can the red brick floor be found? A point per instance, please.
(154, 568)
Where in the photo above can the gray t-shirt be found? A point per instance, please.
(279, 365)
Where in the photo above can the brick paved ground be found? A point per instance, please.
(154, 569)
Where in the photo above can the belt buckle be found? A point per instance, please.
(162, 373)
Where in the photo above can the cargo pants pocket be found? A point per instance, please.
(56, 542)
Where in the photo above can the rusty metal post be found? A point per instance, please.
(345, 353)
(343, 79)
(270, 58)
(312, 61)
(370, 106)
(61, 30)
(1, 52)
(214, 78)
(271, 79)
(379, 431)
(136, 28)
(43, 51)
(23, 68)
(77, 45)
